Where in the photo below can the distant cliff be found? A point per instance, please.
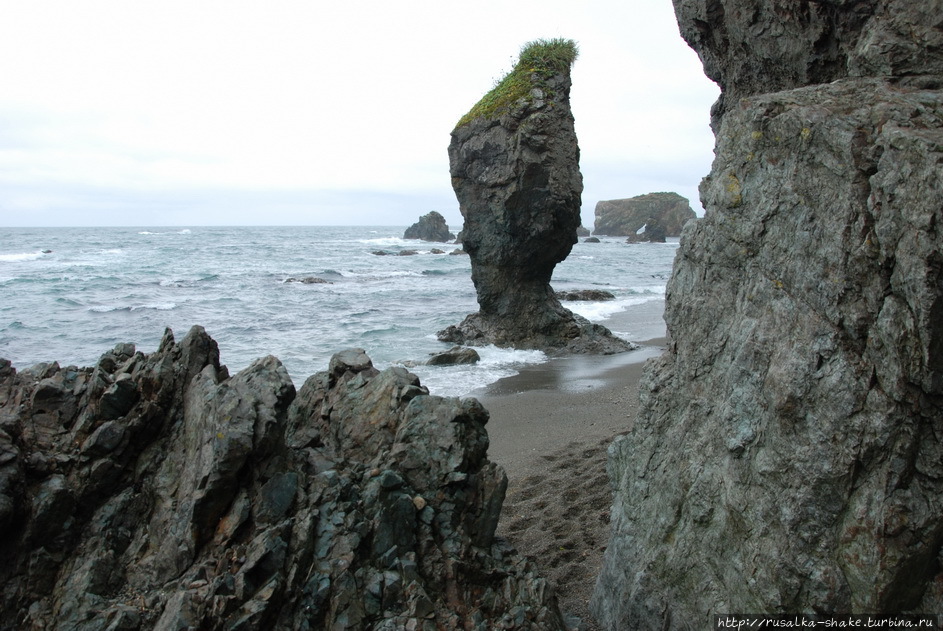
(788, 450)
(650, 217)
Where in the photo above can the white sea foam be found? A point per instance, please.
(159, 306)
(185, 231)
(384, 241)
(595, 311)
(650, 290)
(23, 256)
(496, 363)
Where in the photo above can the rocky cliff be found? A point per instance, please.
(514, 161)
(650, 217)
(430, 227)
(788, 452)
(157, 492)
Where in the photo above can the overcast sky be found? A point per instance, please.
(291, 112)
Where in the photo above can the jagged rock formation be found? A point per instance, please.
(788, 452)
(650, 217)
(157, 492)
(430, 227)
(514, 161)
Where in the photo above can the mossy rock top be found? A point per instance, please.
(538, 61)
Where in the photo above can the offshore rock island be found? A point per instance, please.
(651, 217)
(514, 161)
(788, 451)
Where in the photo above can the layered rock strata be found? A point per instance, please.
(651, 217)
(514, 161)
(788, 452)
(157, 492)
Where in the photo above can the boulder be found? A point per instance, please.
(457, 355)
(514, 162)
(211, 501)
(430, 227)
(591, 240)
(786, 456)
(650, 217)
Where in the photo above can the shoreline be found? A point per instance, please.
(549, 405)
(550, 429)
(533, 411)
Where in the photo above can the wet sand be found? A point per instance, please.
(550, 428)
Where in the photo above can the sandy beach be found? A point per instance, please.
(550, 428)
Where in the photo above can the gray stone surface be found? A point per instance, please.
(517, 179)
(651, 217)
(457, 355)
(787, 455)
(198, 500)
(430, 227)
(760, 46)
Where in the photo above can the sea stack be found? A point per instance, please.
(514, 161)
(430, 227)
(786, 456)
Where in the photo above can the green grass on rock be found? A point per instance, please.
(538, 61)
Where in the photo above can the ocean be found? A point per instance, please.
(70, 294)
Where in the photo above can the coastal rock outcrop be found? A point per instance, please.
(650, 217)
(514, 161)
(788, 451)
(159, 492)
(430, 227)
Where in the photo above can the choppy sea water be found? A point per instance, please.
(70, 294)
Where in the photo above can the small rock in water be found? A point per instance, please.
(457, 355)
(590, 295)
(309, 280)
